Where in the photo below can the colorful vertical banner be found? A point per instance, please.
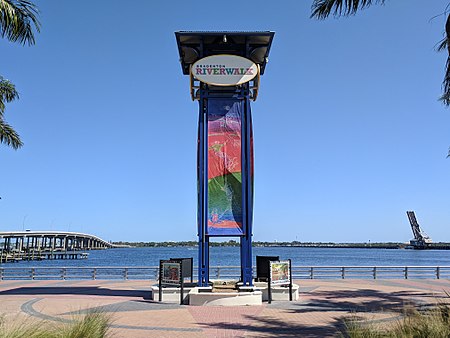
(225, 217)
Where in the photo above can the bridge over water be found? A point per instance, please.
(32, 245)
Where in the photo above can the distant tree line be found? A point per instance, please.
(234, 243)
(177, 244)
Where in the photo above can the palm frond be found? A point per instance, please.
(445, 97)
(321, 9)
(8, 93)
(9, 136)
(441, 45)
(18, 19)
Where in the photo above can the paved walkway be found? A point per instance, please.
(320, 311)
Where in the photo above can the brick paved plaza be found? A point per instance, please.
(319, 312)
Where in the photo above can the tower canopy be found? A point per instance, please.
(193, 46)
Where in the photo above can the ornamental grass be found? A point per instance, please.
(430, 323)
(90, 325)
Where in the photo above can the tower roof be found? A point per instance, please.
(193, 46)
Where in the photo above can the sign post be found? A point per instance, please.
(224, 70)
(171, 273)
(290, 280)
(280, 274)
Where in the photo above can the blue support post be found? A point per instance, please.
(246, 240)
(203, 243)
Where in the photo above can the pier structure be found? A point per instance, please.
(38, 245)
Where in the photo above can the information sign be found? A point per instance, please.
(280, 272)
(171, 273)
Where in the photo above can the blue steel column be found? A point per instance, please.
(200, 166)
(202, 216)
(246, 240)
(205, 195)
(200, 193)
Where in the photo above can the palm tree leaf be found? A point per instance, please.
(8, 93)
(18, 18)
(9, 136)
(445, 97)
(321, 9)
(441, 45)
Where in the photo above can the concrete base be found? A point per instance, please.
(172, 294)
(205, 297)
(278, 292)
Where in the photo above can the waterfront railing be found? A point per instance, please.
(224, 272)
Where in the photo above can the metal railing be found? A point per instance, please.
(371, 272)
(224, 272)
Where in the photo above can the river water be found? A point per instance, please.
(229, 256)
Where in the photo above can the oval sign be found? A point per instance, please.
(224, 70)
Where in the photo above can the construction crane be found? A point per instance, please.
(421, 239)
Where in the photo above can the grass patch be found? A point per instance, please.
(430, 323)
(90, 325)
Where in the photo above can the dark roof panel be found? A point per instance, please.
(196, 45)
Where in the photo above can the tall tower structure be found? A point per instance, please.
(224, 70)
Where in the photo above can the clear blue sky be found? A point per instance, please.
(349, 134)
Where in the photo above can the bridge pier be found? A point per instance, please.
(37, 245)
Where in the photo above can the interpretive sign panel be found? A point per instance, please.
(263, 267)
(171, 273)
(187, 266)
(280, 272)
(224, 70)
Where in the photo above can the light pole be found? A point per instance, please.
(23, 222)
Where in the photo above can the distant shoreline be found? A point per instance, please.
(233, 243)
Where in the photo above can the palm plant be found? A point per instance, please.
(321, 9)
(18, 20)
(8, 135)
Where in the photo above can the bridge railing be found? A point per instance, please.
(224, 272)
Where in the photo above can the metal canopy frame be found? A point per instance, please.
(255, 46)
(193, 46)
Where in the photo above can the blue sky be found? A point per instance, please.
(349, 133)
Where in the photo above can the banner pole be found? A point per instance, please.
(205, 191)
(160, 281)
(269, 285)
(290, 280)
(182, 284)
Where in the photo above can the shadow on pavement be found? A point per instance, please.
(74, 290)
(271, 327)
(363, 300)
(344, 304)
